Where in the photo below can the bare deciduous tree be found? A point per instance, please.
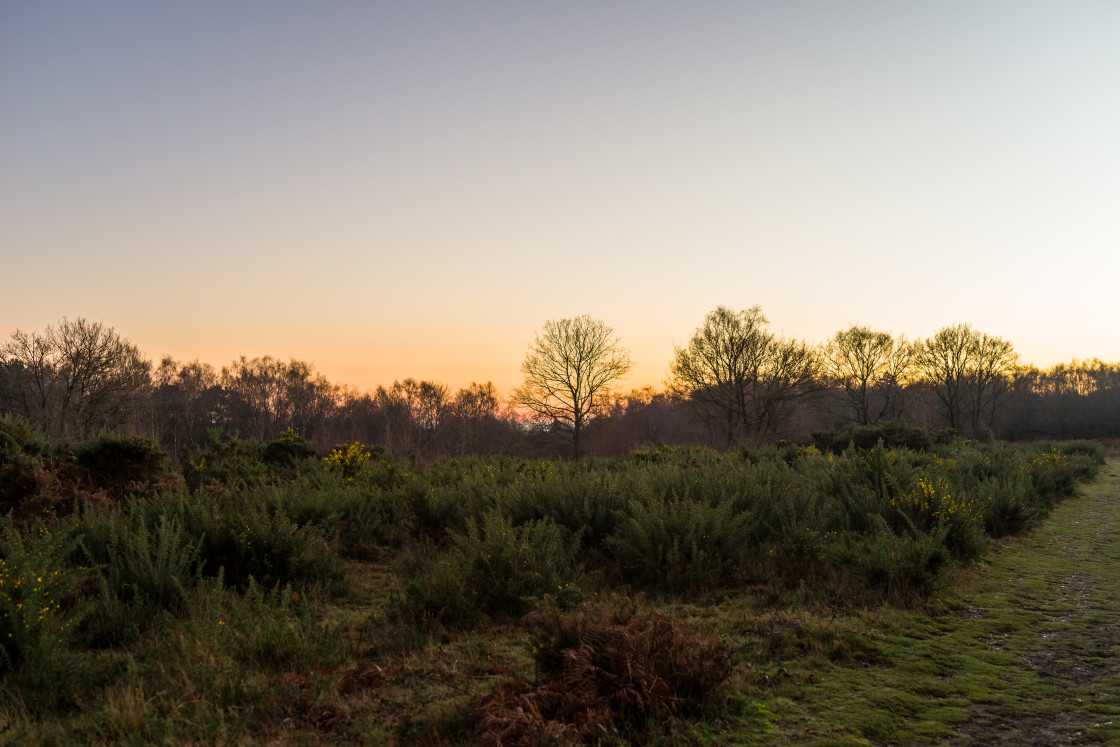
(475, 419)
(740, 377)
(872, 368)
(994, 364)
(569, 370)
(187, 402)
(969, 372)
(414, 411)
(76, 378)
(266, 395)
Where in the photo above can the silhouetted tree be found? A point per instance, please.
(75, 378)
(872, 370)
(187, 402)
(970, 374)
(741, 378)
(569, 370)
(475, 421)
(413, 413)
(263, 396)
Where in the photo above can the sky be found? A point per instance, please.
(393, 190)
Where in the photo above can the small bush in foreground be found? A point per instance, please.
(603, 670)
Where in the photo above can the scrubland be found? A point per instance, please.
(268, 593)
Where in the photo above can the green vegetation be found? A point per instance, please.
(263, 591)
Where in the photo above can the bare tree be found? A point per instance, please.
(76, 378)
(569, 370)
(187, 401)
(740, 377)
(969, 372)
(872, 368)
(266, 395)
(475, 419)
(993, 367)
(414, 411)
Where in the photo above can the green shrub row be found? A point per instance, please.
(483, 536)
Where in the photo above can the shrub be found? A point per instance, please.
(493, 568)
(899, 565)
(287, 451)
(118, 463)
(932, 504)
(1052, 474)
(249, 543)
(590, 505)
(349, 460)
(676, 544)
(1011, 505)
(265, 630)
(236, 537)
(25, 463)
(143, 569)
(36, 616)
(603, 670)
(225, 462)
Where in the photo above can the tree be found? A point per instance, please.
(993, 367)
(187, 401)
(475, 420)
(741, 378)
(872, 369)
(569, 370)
(265, 395)
(969, 372)
(76, 378)
(414, 412)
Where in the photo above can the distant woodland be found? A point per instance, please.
(734, 383)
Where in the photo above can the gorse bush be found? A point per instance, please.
(24, 469)
(149, 566)
(676, 545)
(287, 451)
(121, 463)
(931, 505)
(494, 568)
(225, 463)
(349, 460)
(901, 565)
(588, 504)
(891, 435)
(36, 617)
(238, 538)
(271, 630)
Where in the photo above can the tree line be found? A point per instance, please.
(733, 382)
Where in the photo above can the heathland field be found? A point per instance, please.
(919, 591)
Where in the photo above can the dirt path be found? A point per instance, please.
(1063, 582)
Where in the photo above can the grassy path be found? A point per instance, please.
(1025, 650)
